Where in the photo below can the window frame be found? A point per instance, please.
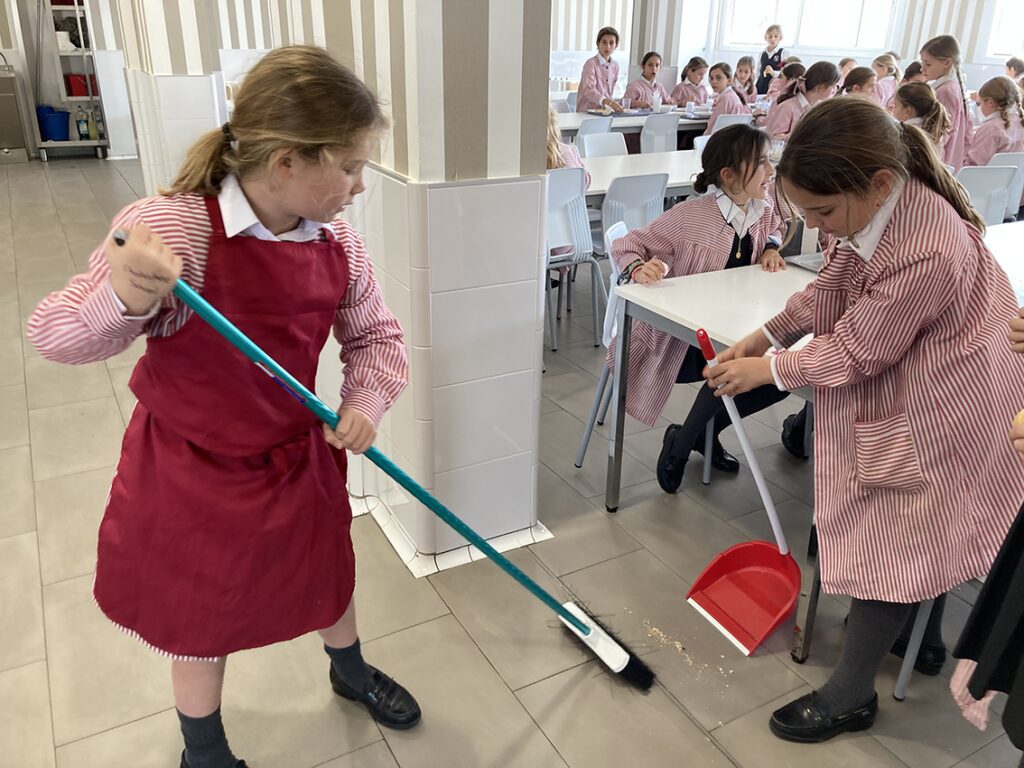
(725, 17)
(988, 16)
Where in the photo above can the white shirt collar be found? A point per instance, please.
(951, 75)
(993, 116)
(741, 221)
(240, 219)
(914, 121)
(804, 103)
(868, 238)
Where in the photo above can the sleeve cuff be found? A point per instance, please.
(782, 331)
(103, 312)
(774, 242)
(771, 337)
(366, 402)
(786, 371)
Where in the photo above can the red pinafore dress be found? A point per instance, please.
(227, 525)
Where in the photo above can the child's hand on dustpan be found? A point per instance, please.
(355, 431)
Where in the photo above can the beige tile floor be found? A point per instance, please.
(499, 682)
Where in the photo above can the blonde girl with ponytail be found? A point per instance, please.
(940, 63)
(227, 526)
(916, 104)
(1002, 129)
(915, 387)
(888, 73)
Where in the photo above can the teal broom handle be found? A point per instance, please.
(227, 329)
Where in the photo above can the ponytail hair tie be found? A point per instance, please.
(229, 137)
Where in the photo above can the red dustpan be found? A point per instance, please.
(748, 590)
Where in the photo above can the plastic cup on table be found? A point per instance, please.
(690, 107)
(626, 103)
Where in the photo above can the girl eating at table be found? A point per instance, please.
(733, 223)
(1002, 130)
(727, 99)
(641, 91)
(914, 386)
(691, 86)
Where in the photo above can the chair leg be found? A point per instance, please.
(568, 292)
(603, 413)
(600, 279)
(602, 385)
(595, 281)
(552, 326)
(913, 646)
(561, 294)
(709, 441)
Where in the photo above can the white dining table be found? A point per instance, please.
(569, 123)
(681, 166)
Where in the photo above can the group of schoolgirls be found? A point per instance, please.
(909, 310)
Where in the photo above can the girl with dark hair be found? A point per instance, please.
(860, 81)
(916, 104)
(600, 74)
(727, 99)
(641, 91)
(916, 484)
(732, 224)
(800, 95)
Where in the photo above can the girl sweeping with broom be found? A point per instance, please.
(914, 386)
(227, 525)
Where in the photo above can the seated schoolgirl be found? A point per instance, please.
(1002, 129)
(691, 86)
(778, 84)
(818, 84)
(733, 223)
(860, 81)
(916, 104)
(888, 72)
(727, 99)
(642, 90)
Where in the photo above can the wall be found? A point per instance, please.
(444, 83)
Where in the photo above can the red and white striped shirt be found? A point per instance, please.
(915, 387)
(691, 238)
(85, 322)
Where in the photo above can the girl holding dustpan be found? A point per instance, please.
(915, 386)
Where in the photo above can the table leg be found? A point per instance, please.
(807, 607)
(624, 324)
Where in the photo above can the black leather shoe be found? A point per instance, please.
(670, 468)
(805, 720)
(388, 702)
(721, 459)
(930, 658)
(184, 762)
(793, 434)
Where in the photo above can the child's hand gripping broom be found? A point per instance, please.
(584, 626)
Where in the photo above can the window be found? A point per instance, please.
(849, 25)
(1006, 36)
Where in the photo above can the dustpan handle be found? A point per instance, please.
(741, 433)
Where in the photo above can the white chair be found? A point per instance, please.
(570, 99)
(589, 127)
(987, 186)
(568, 229)
(1016, 188)
(724, 121)
(604, 144)
(659, 133)
(561, 106)
(634, 200)
(603, 395)
(699, 142)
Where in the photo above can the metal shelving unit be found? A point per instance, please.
(77, 62)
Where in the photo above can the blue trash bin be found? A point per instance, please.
(55, 126)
